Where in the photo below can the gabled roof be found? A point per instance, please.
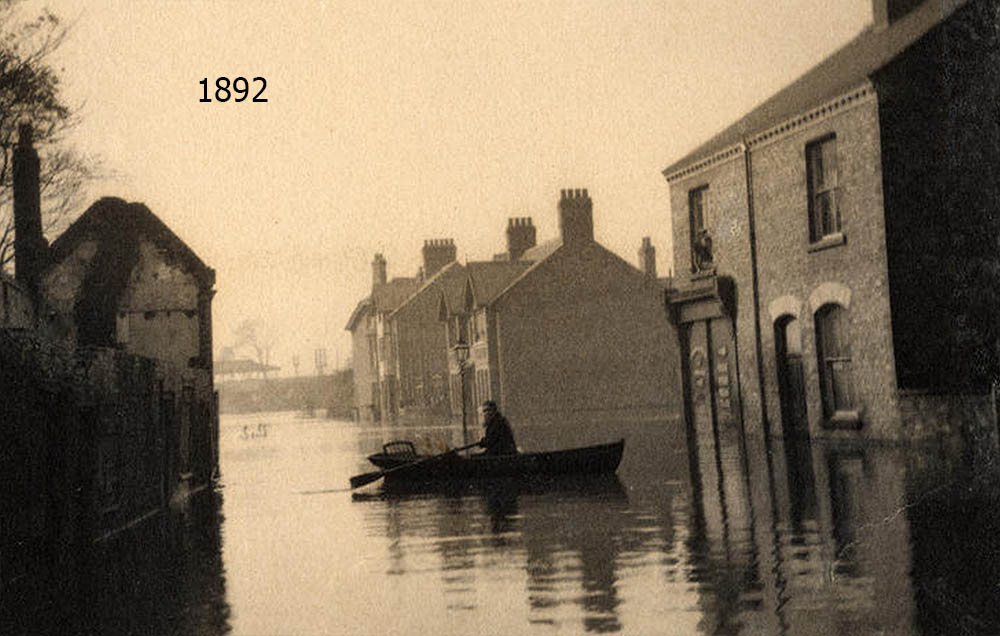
(364, 305)
(388, 296)
(114, 221)
(542, 251)
(449, 280)
(489, 278)
(844, 70)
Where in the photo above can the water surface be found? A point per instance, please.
(700, 532)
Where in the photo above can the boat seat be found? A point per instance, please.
(402, 448)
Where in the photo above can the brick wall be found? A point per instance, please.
(727, 221)
(941, 147)
(16, 309)
(790, 269)
(586, 332)
(92, 440)
(421, 345)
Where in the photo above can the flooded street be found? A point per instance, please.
(711, 537)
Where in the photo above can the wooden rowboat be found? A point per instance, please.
(403, 465)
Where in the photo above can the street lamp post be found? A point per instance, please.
(461, 353)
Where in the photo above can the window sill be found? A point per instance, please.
(844, 421)
(828, 241)
(702, 274)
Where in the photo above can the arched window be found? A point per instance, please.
(833, 351)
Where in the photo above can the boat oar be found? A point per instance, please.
(366, 478)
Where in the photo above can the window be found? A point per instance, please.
(701, 242)
(834, 354)
(821, 174)
(478, 325)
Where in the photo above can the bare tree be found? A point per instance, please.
(30, 91)
(257, 336)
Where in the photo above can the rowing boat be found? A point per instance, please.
(402, 464)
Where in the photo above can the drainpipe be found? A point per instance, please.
(755, 286)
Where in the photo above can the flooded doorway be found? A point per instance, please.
(791, 378)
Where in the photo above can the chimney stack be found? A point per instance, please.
(437, 253)
(886, 12)
(576, 217)
(647, 257)
(520, 236)
(29, 244)
(378, 271)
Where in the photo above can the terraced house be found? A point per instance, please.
(569, 328)
(836, 247)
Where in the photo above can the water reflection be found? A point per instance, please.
(702, 531)
(801, 537)
(164, 576)
(567, 536)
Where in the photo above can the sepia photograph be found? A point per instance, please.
(644, 317)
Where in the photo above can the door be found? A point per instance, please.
(791, 378)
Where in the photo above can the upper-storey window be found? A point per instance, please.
(701, 241)
(821, 174)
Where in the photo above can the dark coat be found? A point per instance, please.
(499, 439)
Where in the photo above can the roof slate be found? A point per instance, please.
(489, 278)
(449, 280)
(388, 296)
(846, 69)
(359, 310)
(113, 219)
(542, 251)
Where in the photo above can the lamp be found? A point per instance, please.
(460, 350)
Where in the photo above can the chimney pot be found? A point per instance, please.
(576, 218)
(437, 253)
(647, 257)
(520, 237)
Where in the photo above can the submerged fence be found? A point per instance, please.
(92, 440)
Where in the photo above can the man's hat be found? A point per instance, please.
(489, 405)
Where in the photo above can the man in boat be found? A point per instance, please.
(499, 438)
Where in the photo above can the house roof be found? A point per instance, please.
(542, 251)
(363, 306)
(449, 280)
(388, 296)
(847, 68)
(111, 220)
(489, 278)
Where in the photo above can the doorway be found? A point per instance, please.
(791, 378)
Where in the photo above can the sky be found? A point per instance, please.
(388, 123)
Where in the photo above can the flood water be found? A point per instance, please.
(707, 533)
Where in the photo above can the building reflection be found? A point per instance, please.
(799, 537)
(568, 537)
(777, 537)
(164, 576)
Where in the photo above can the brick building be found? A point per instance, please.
(371, 343)
(374, 347)
(420, 341)
(108, 411)
(119, 278)
(836, 248)
(568, 328)
(423, 340)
